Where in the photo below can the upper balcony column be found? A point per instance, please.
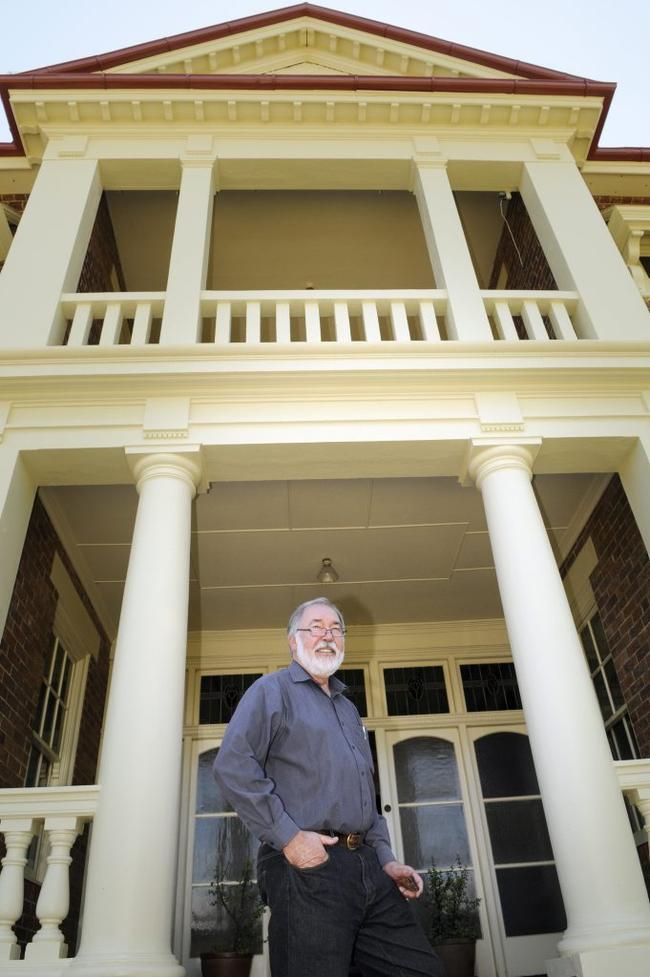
(581, 252)
(450, 258)
(190, 250)
(604, 895)
(131, 878)
(48, 251)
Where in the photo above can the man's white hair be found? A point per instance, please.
(294, 620)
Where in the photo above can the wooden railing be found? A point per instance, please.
(60, 814)
(313, 319)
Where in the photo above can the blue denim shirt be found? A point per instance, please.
(294, 758)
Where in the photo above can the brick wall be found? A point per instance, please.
(535, 271)
(621, 586)
(17, 202)
(24, 649)
(102, 257)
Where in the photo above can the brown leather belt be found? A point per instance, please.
(351, 841)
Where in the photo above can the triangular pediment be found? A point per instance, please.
(310, 40)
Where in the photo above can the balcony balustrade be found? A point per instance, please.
(341, 318)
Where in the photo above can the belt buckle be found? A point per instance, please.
(353, 841)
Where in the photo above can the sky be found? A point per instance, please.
(596, 39)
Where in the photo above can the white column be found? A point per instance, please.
(452, 265)
(189, 258)
(635, 476)
(581, 252)
(131, 879)
(602, 886)
(17, 491)
(48, 251)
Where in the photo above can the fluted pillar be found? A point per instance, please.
(604, 895)
(130, 885)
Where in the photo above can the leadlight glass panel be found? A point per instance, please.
(415, 690)
(220, 695)
(222, 844)
(355, 680)
(426, 770)
(434, 832)
(490, 686)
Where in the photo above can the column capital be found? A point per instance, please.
(182, 461)
(487, 455)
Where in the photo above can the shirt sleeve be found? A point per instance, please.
(378, 838)
(239, 767)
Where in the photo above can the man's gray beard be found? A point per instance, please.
(315, 665)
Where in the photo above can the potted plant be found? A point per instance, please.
(450, 917)
(242, 907)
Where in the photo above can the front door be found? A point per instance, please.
(472, 794)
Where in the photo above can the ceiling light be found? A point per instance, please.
(327, 573)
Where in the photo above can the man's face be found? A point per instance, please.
(319, 656)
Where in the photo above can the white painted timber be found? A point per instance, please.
(581, 252)
(449, 254)
(189, 258)
(47, 253)
(137, 820)
(17, 492)
(602, 886)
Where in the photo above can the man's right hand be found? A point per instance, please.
(307, 849)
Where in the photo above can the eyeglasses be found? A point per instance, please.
(316, 631)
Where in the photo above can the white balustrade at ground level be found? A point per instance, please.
(59, 813)
(314, 318)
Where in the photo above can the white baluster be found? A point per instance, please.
(504, 322)
(342, 322)
(112, 324)
(399, 322)
(561, 322)
(222, 326)
(533, 321)
(81, 323)
(18, 835)
(312, 322)
(370, 322)
(141, 324)
(283, 322)
(54, 901)
(253, 322)
(428, 322)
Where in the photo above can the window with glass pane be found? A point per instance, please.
(490, 686)
(529, 890)
(49, 720)
(220, 695)
(608, 691)
(415, 691)
(431, 809)
(355, 681)
(222, 846)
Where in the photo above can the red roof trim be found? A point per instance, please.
(163, 45)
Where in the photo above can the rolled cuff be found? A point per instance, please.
(384, 853)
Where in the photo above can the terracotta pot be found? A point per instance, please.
(458, 957)
(226, 964)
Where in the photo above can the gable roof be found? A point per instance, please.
(440, 66)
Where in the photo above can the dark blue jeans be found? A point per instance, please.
(343, 912)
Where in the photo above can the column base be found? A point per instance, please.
(125, 965)
(625, 961)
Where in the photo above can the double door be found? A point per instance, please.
(448, 793)
(471, 794)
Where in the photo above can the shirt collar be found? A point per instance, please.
(299, 674)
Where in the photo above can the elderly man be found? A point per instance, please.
(297, 767)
